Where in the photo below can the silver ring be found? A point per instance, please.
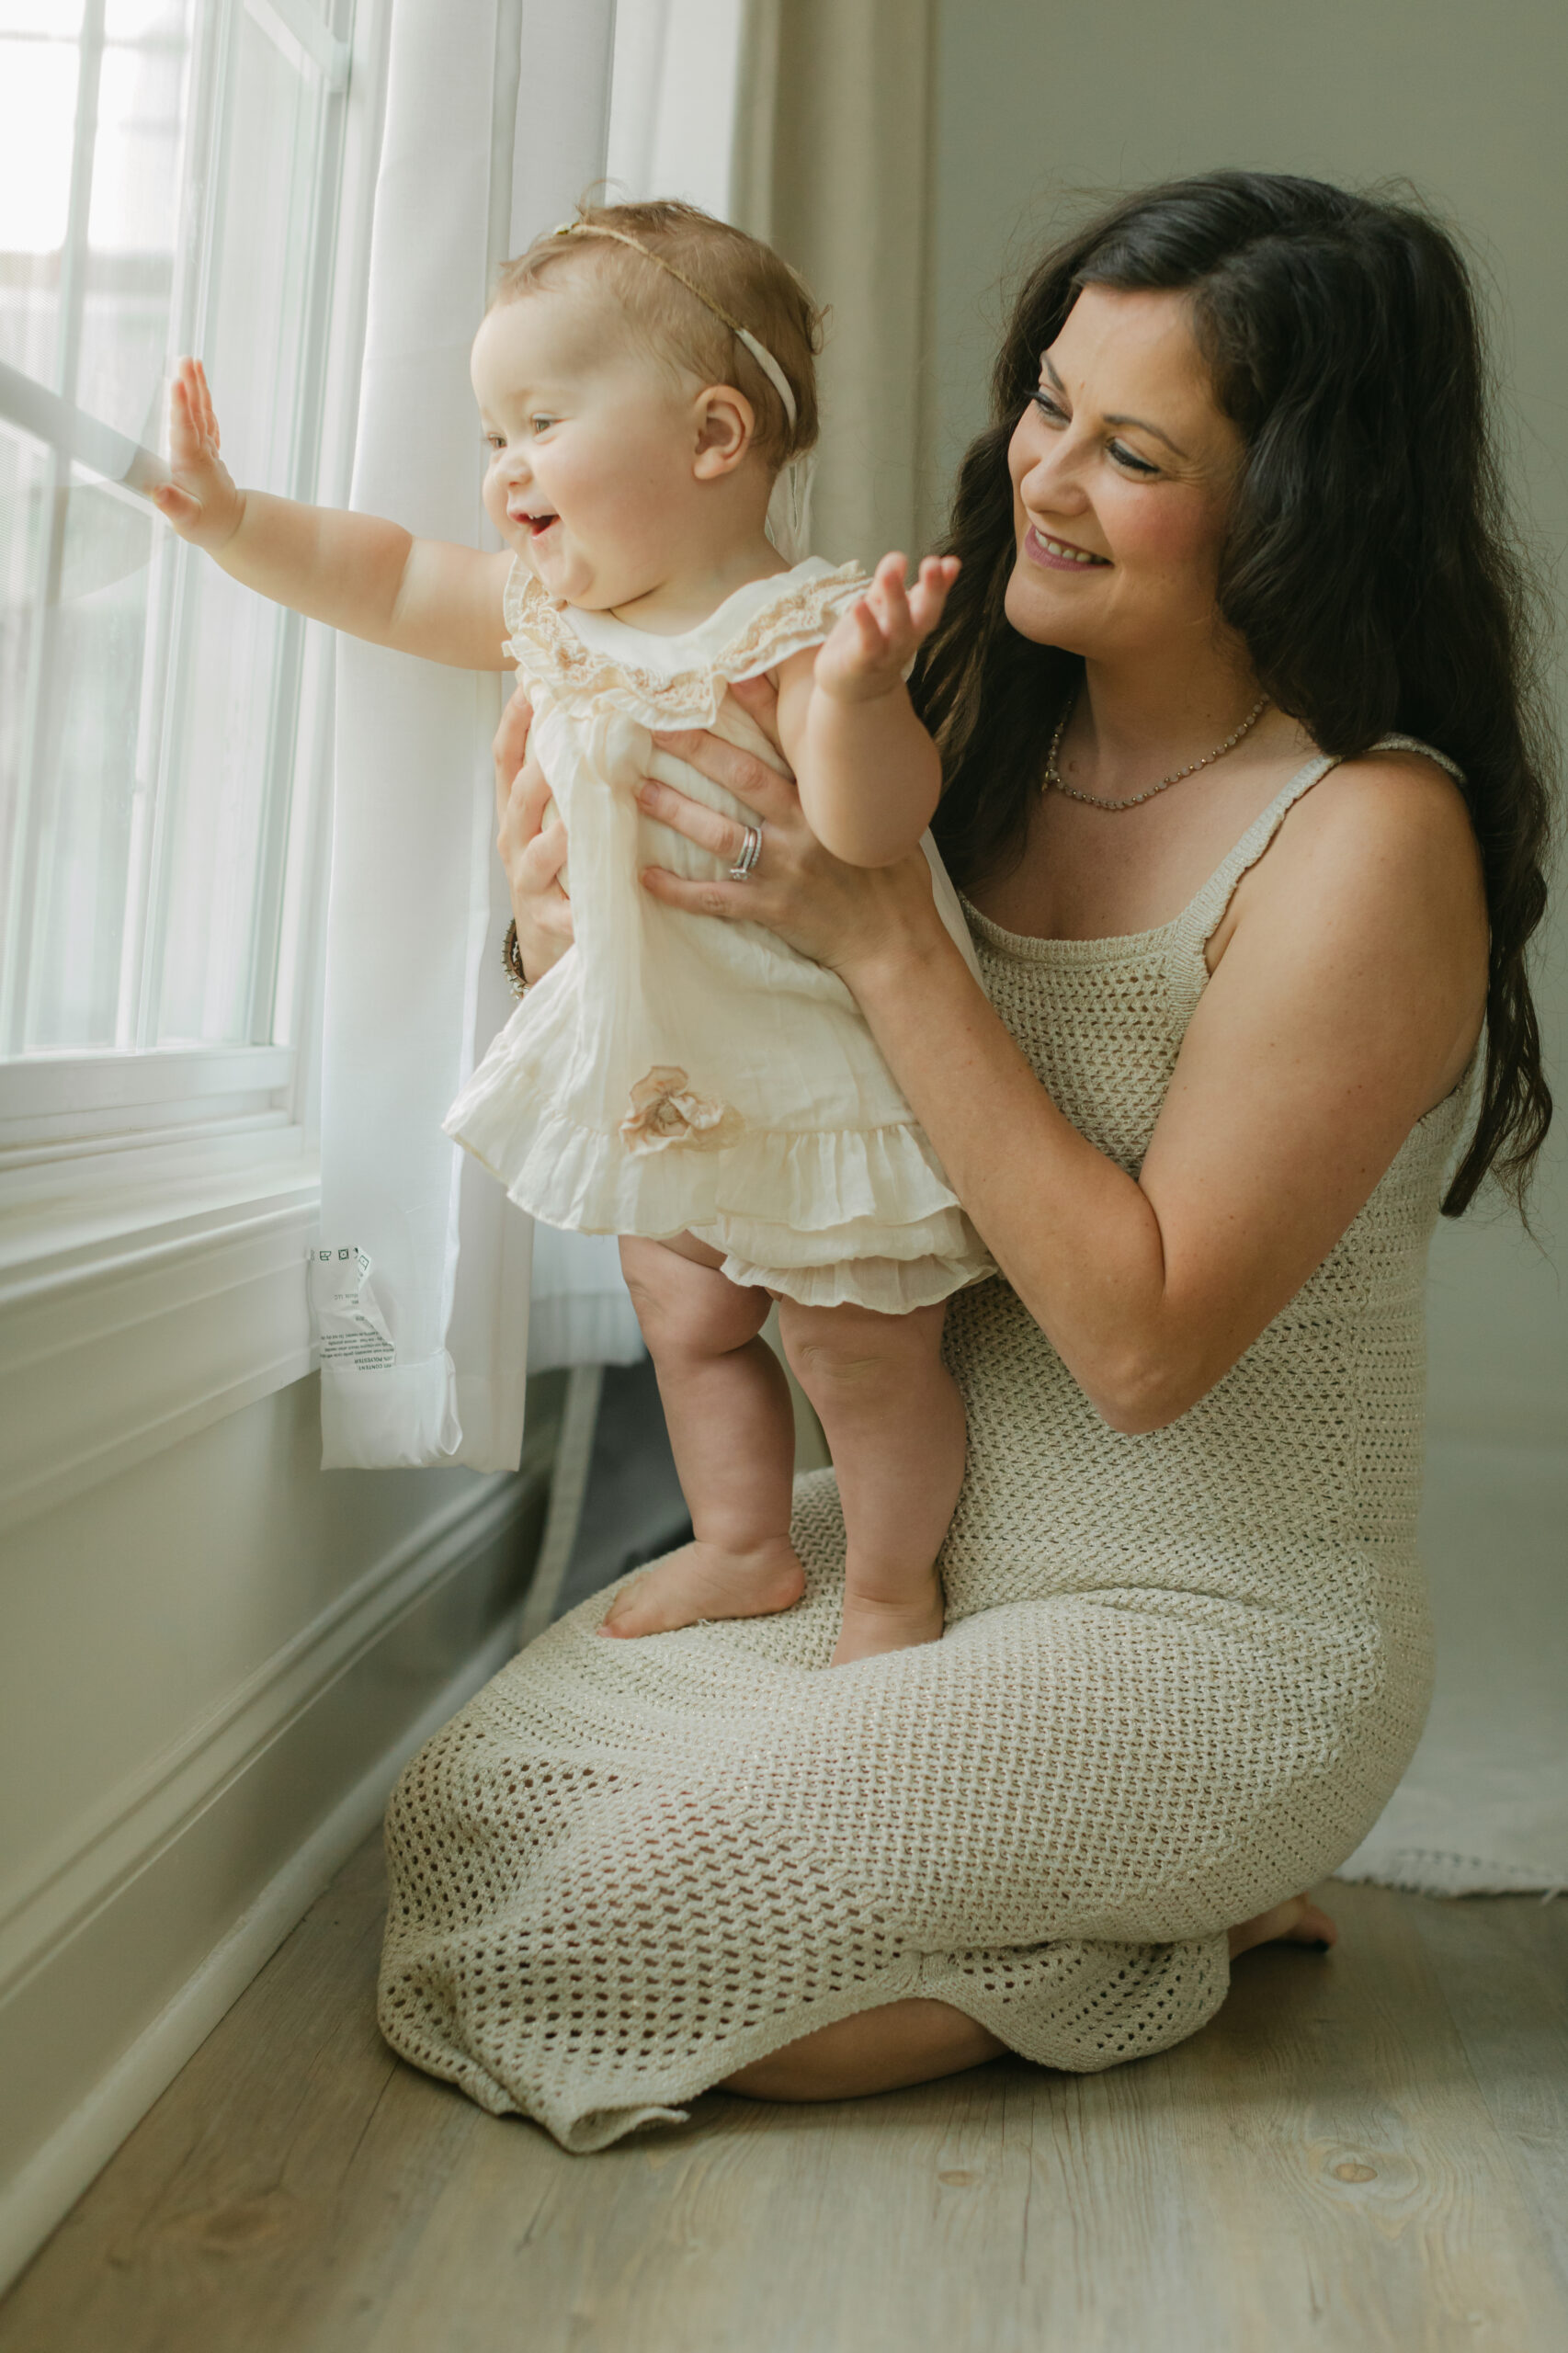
(751, 850)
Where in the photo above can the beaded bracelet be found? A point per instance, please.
(512, 962)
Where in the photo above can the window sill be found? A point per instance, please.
(145, 1292)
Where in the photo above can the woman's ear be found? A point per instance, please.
(726, 424)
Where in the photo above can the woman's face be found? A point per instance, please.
(1122, 467)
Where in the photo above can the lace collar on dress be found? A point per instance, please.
(673, 681)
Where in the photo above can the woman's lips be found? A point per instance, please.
(1061, 555)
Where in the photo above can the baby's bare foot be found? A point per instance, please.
(700, 1581)
(1296, 1921)
(873, 1625)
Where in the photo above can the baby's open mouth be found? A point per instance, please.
(537, 525)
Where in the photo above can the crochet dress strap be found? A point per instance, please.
(1198, 922)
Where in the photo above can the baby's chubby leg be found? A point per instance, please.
(894, 1423)
(731, 1430)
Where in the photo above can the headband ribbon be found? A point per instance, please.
(759, 351)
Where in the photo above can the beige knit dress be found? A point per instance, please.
(1181, 1676)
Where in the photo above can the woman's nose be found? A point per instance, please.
(1052, 485)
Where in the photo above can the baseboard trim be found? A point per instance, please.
(102, 1853)
(40, 2195)
(119, 1349)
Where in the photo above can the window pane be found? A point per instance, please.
(86, 720)
(133, 216)
(146, 703)
(240, 654)
(38, 62)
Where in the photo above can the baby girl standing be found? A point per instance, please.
(696, 1088)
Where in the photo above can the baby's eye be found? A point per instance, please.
(540, 424)
(495, 440)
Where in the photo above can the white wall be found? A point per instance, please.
(210, 1668)
(1034, 100)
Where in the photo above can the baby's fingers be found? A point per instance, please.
(205, 410)
(871, 635)
(193, 427)
(930, 594)
(888, 601)
(184, 433)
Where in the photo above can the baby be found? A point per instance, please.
(697, 1087)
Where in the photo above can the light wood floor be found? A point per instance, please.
(1362, 2153)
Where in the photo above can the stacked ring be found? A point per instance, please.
(751, 850)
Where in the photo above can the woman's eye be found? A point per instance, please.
(1048, 407)
(1129, 459)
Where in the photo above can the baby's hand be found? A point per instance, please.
(875, 640)
(201, 502)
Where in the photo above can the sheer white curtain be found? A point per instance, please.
(495, 122)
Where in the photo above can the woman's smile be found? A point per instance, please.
(1058, 556)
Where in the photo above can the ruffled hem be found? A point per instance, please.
(792, 1204)
(888, 1285)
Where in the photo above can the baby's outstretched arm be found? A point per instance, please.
(868, 774)
(371, 579)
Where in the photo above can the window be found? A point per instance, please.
(169, 181)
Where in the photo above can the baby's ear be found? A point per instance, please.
(726, 424)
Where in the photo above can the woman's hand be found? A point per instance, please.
(843, 916)
(532, 852)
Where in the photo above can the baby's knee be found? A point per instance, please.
(684, 1310)
(847, 1352)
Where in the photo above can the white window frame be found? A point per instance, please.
(155, 1204)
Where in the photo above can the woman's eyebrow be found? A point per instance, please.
(1141, 422)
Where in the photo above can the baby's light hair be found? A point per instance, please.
(739, 274)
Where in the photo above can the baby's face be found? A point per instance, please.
(592, 446)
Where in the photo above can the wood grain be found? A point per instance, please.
(1362, 2153)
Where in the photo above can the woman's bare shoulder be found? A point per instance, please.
(1389, 830)
(1372, 893)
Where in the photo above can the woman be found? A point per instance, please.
(1240, 791)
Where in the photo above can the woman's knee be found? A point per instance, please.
(912, 2042)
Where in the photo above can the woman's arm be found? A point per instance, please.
(1345, 1005)
(370, 578)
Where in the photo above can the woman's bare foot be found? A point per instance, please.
(1296, 1921)
(872, 1626)
(700, 1581)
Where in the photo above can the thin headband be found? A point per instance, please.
(759, 352)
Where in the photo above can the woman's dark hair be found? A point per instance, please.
(1369, 565)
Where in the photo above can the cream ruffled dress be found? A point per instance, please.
(672, 1074)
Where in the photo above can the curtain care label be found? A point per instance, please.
(350, 1327)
